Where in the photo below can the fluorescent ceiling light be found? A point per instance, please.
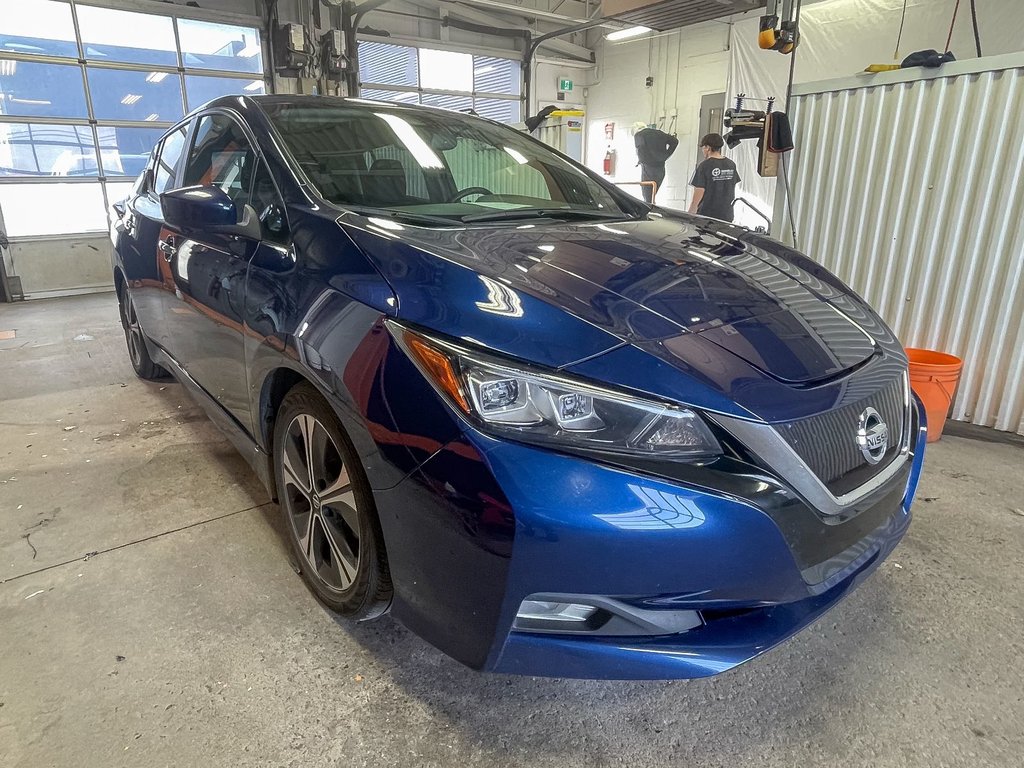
(156, 77)
(420, 150)
(152, 118)
(8, 67)
(255, 85)
(130, 98)
(624, 34)
(516, 155)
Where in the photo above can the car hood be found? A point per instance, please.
(691, 291)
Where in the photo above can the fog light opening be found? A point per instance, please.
(543, 610)
(552, 612)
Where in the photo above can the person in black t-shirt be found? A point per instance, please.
(714, 182)
(653, 148)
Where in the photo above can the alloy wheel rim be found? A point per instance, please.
(133, 331)
(320, 503)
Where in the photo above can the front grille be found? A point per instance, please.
(827, 443)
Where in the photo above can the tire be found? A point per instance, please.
(330, 518)
(134, 336)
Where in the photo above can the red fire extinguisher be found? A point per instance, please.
(609, 162)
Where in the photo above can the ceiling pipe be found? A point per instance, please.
(532, 49)
(483, 29)
(351, 16)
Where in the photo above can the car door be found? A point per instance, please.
(146, 267)
(204, 315)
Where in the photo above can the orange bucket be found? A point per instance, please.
(933, 377)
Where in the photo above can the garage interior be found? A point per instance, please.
(150, 615)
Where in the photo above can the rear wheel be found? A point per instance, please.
(138, 352)
(328, 507)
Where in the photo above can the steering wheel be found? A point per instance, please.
(470, 191)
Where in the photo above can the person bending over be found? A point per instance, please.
(653, 148)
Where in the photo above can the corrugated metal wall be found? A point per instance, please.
(910, 187)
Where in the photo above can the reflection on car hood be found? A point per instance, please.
(646, 281)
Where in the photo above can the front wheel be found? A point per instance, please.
(138, 352)
(328, 507)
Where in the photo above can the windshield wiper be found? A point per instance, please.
(390, 213)
(539, 213)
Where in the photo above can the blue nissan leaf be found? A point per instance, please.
(551, 429)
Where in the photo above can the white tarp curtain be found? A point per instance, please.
(840, 38)
(758, 74)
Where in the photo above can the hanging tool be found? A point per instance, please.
(770, 129)
(874, 68)
(783, 37)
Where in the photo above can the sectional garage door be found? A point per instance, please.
(85, 91)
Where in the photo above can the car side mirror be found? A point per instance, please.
(208, 210)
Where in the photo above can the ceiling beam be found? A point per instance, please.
(462, 11)
(530, 11)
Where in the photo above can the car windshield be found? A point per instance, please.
(435, 165)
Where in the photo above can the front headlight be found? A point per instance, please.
(520, 402)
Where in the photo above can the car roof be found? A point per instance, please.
(328, 101)
(243, 103)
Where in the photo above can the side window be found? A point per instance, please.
(167, 162)
(269, 207)
(221, 157)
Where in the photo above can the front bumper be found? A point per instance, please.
(484, 524)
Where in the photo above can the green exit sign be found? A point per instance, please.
(564, 84)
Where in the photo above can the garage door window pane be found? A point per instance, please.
(445, 101)
(201, 89)
(491, 75)
(38, 26)
(29, 149)
(125, 151)
(119, 94)
(139, 38)
(503, 110)
(41, 90)
(446, 70)
(29, 208)
(378, 94)
(205, 45)
(386, 64)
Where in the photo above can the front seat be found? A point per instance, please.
(384, 183)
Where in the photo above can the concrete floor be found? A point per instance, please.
(185, 638)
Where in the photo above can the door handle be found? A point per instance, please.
(168, 248)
